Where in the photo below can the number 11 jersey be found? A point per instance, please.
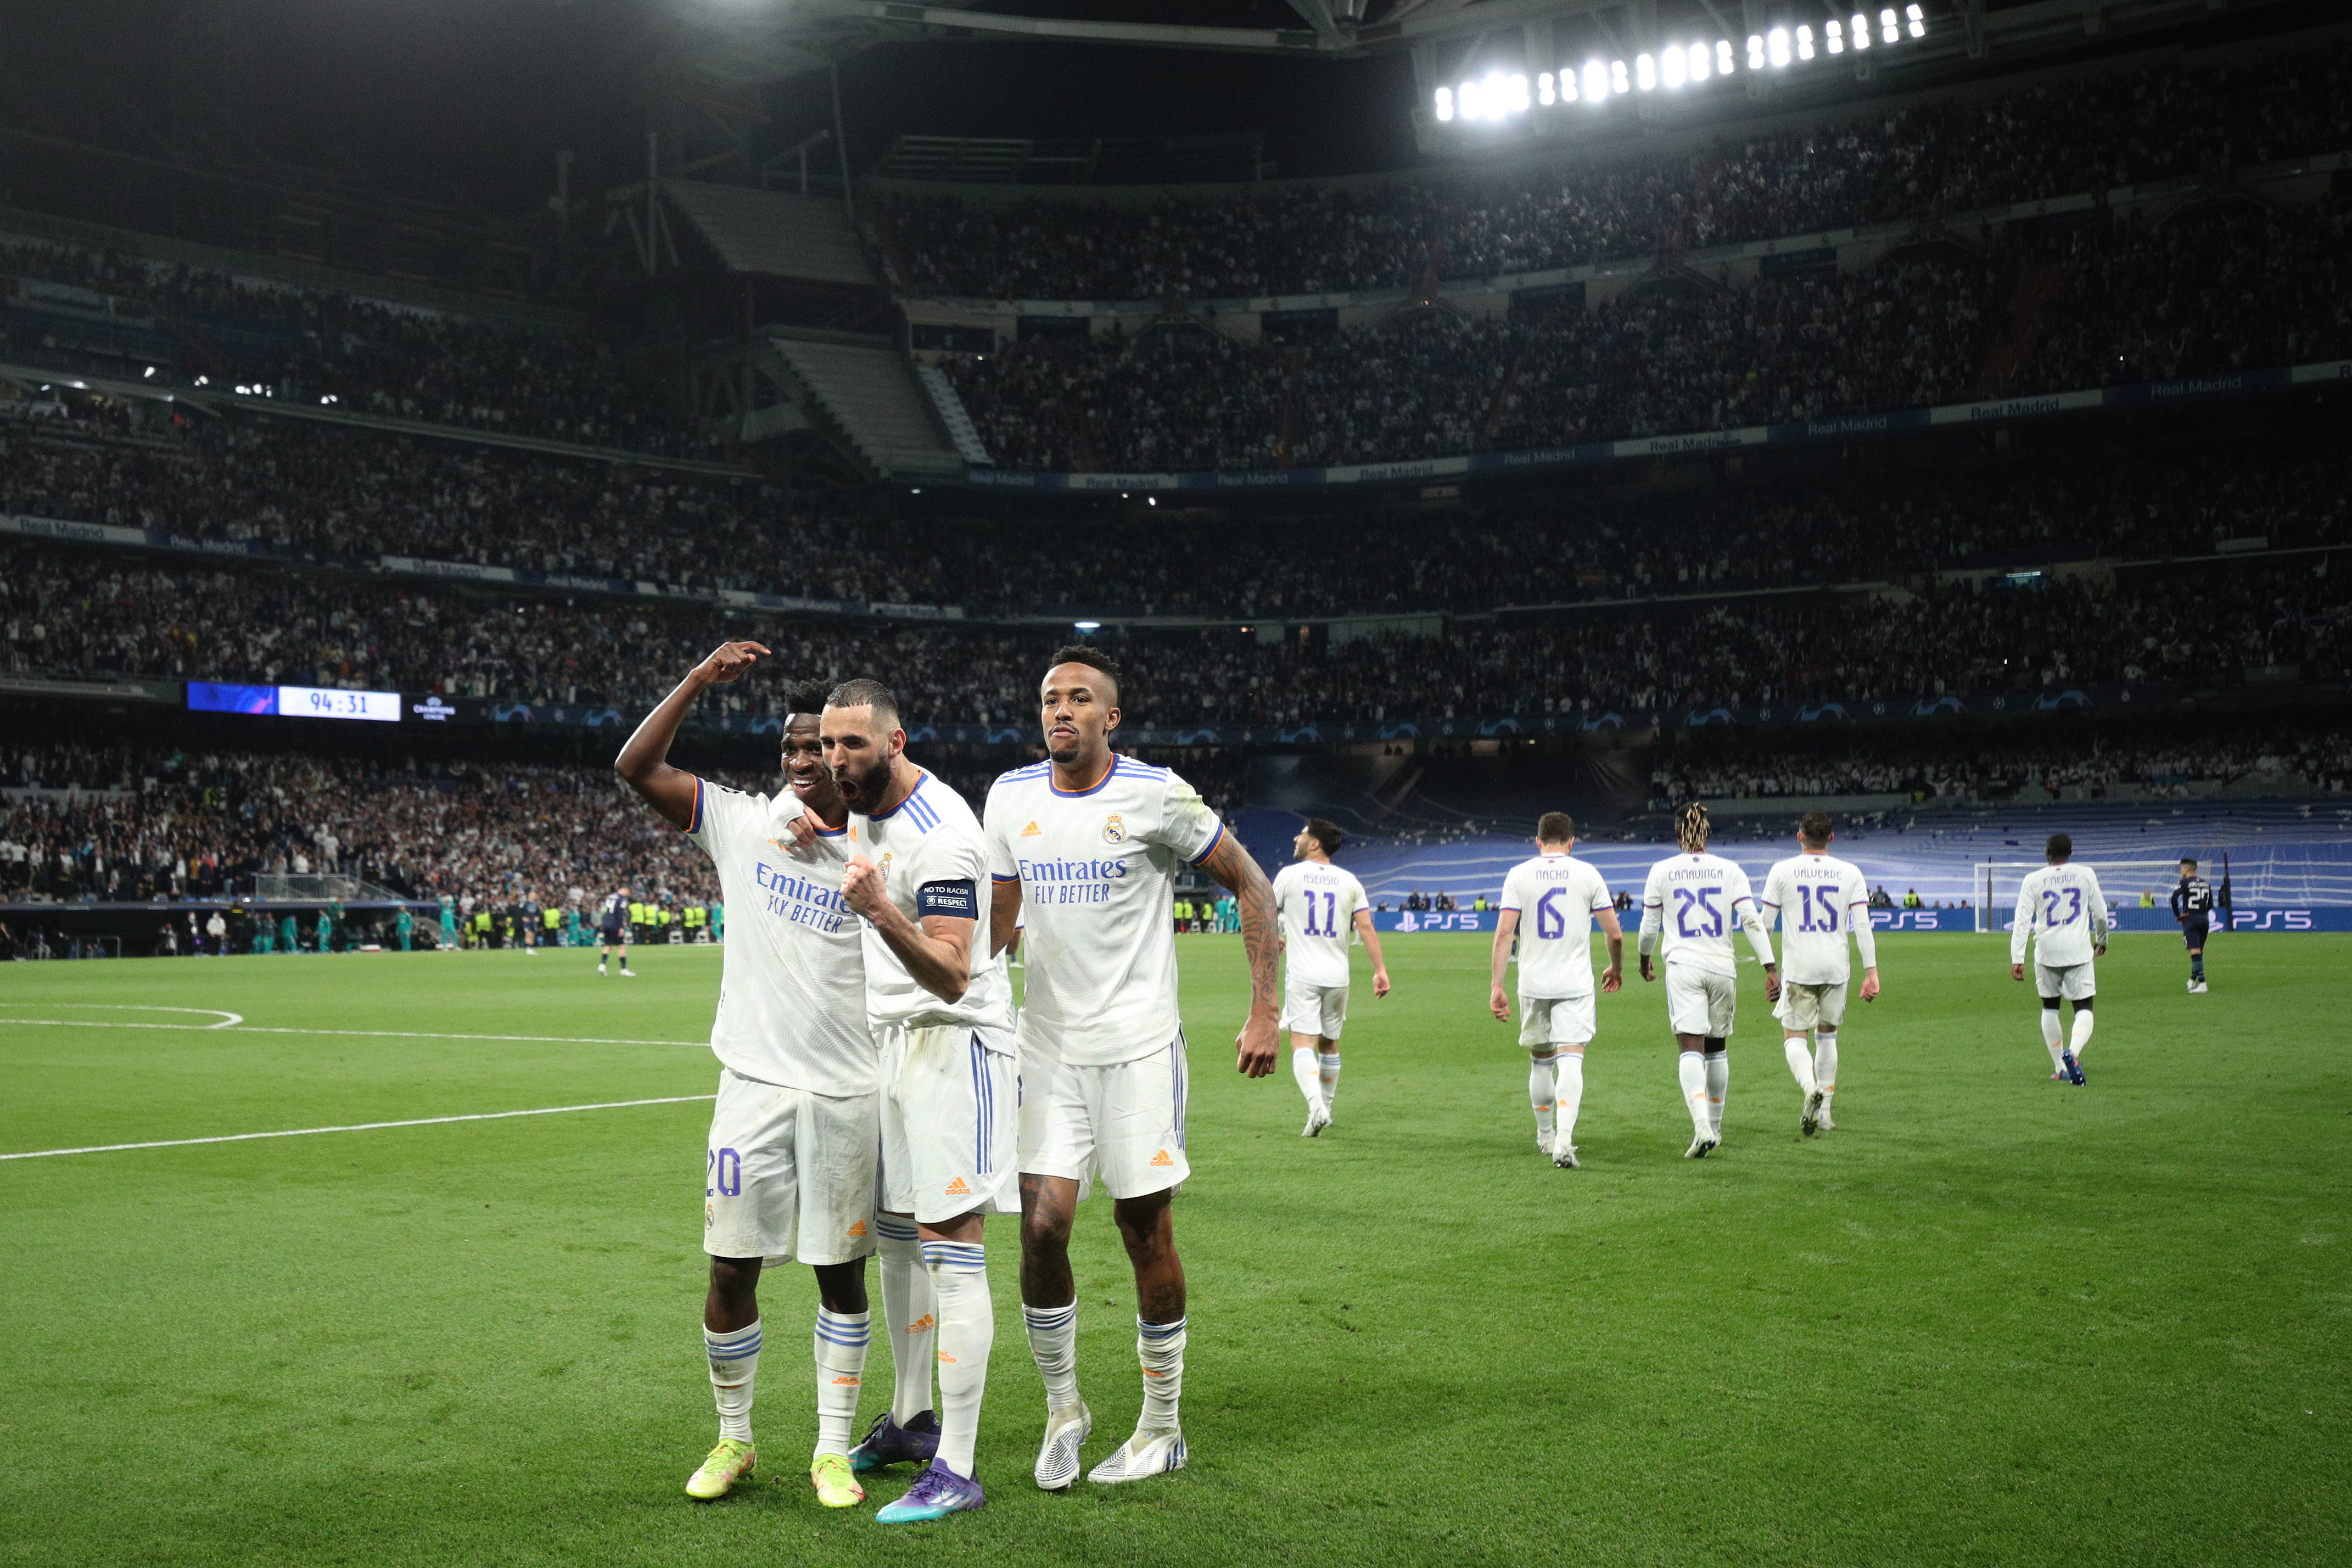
(1318, 902)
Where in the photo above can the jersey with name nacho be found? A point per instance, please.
(791, 978)
(1698, 900)
(933, 862)
(2062, 908)
(1097, 874)
(1318, 902)
(1820, 899)
(1556, 897)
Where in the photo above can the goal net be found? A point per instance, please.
(2123, 881)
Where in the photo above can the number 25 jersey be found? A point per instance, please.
(1698, 898)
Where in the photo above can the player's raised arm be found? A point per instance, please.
(1498, 958)
(643, 762)
(1238, 874)
(936, 947)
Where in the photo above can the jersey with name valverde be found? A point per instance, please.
(2062, 908)
(1097, 874)
(1698, 898)
(1556, 897)
(1318, 902)
(1822, 900)
(933, 862)
(791, 980)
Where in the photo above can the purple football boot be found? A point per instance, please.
(888, 1443)
(937, 1493)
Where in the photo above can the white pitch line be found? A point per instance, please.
(369, 1034)
(357, 1127)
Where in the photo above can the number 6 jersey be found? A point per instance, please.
(1556, 897)
(1820, 899)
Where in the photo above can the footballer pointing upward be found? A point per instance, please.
(1087, 844)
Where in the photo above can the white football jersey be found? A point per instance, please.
(792, 976)
(1556, 897)
(1318, 902)
(1098, 875)
(2062, 908)
(1820, 899)
(933, 862)
(1697, 900)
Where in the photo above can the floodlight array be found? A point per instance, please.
(1499, 96)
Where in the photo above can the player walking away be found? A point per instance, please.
(790, 1169)
(1708, 895)
(1319, 904)
(613, 925)
(1086, 847)
(1818, 899)
(942, 1008)
(1548, 905)
(2062, 908)
(2192, 906)
(448, 924)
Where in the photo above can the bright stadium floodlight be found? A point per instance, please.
(1834, 36)
(1466, 99)
(1619, 81)
(1701, 62)
(1805, 43)
(1775, 47)
(1596, 82)
(1756, 51)
(1918, 19)
(1545, 94)
(1723, 57)
(1861, 32)
(1567, 86)
(1671, 68)
(1495, 97)
(1889, 29)
(1088, 626)
(1646, 72)
(1445, 104)
(150, 375)
(1519, 94)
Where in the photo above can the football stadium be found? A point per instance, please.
(1617, 733)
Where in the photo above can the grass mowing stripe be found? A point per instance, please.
(360, 1126)
(370, 1033)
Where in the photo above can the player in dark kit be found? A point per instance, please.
(2192, 906)
(614, 927)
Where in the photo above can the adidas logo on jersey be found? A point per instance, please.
(957, 1189)
(857, 1229)
(1161, 1158)
(1031, 831)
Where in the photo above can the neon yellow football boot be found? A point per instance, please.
(836, 1487)
(728, 1463)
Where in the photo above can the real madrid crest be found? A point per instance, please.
(1114, 829)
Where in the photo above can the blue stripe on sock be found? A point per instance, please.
(1160, 1330)
(896, 1229)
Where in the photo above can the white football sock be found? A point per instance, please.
(1718, 1084)
(1330, 1075)
(1543, 1093)
(910, 1309)
(1161, 1348)
(967, 1332)
(2081, 1032)
(1801, 1062)
(841, 1341)
(1568, 1072)
(1825, 1063)
(2050, 1037)
(734, 1363)
(1692, 1068)
(1054, 1340)
(1309, 1076)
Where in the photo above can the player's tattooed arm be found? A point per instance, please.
(1239, 875)
(643, 762)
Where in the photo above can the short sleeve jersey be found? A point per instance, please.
(1818, 898)
(792, 985)
(1318, 902)
(616, 912)
(933, 862)
(1698, 899)
(1556, 897)
(2062, 908)
(1097, 874)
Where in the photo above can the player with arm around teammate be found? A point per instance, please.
(1549, 904)
(2060, 908)
(1319, 905)
(795, 1131)
(1086, 848)
(1708, 895)
(1818, 899)
(2192, 907)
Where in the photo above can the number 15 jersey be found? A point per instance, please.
(1820, 899)
(1698, 898)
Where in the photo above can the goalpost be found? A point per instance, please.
(2122, 881)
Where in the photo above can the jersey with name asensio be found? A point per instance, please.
(1097, 873)
(1318, 903)
(792, 996)
(1820, 899)
(933, 862)
(1556, 897)
(1698, 897)
(2062, 908)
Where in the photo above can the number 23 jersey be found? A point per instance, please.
(1698, 898)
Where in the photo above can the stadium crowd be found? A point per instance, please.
(2089, 132)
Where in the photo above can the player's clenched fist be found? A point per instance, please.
(731, 660)
(1253, 1047)
(861, 887)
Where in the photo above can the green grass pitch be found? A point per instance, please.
(1988, 1320)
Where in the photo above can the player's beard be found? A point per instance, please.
(862, 789)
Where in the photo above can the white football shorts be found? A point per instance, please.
(1807, 1006)
(1556, 1020)
(2074, 982)
(1699, 1002)
(1039, 1062)
(1126, 1120)
(789, 1175)
(951, 1107)
(1314, 1009)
